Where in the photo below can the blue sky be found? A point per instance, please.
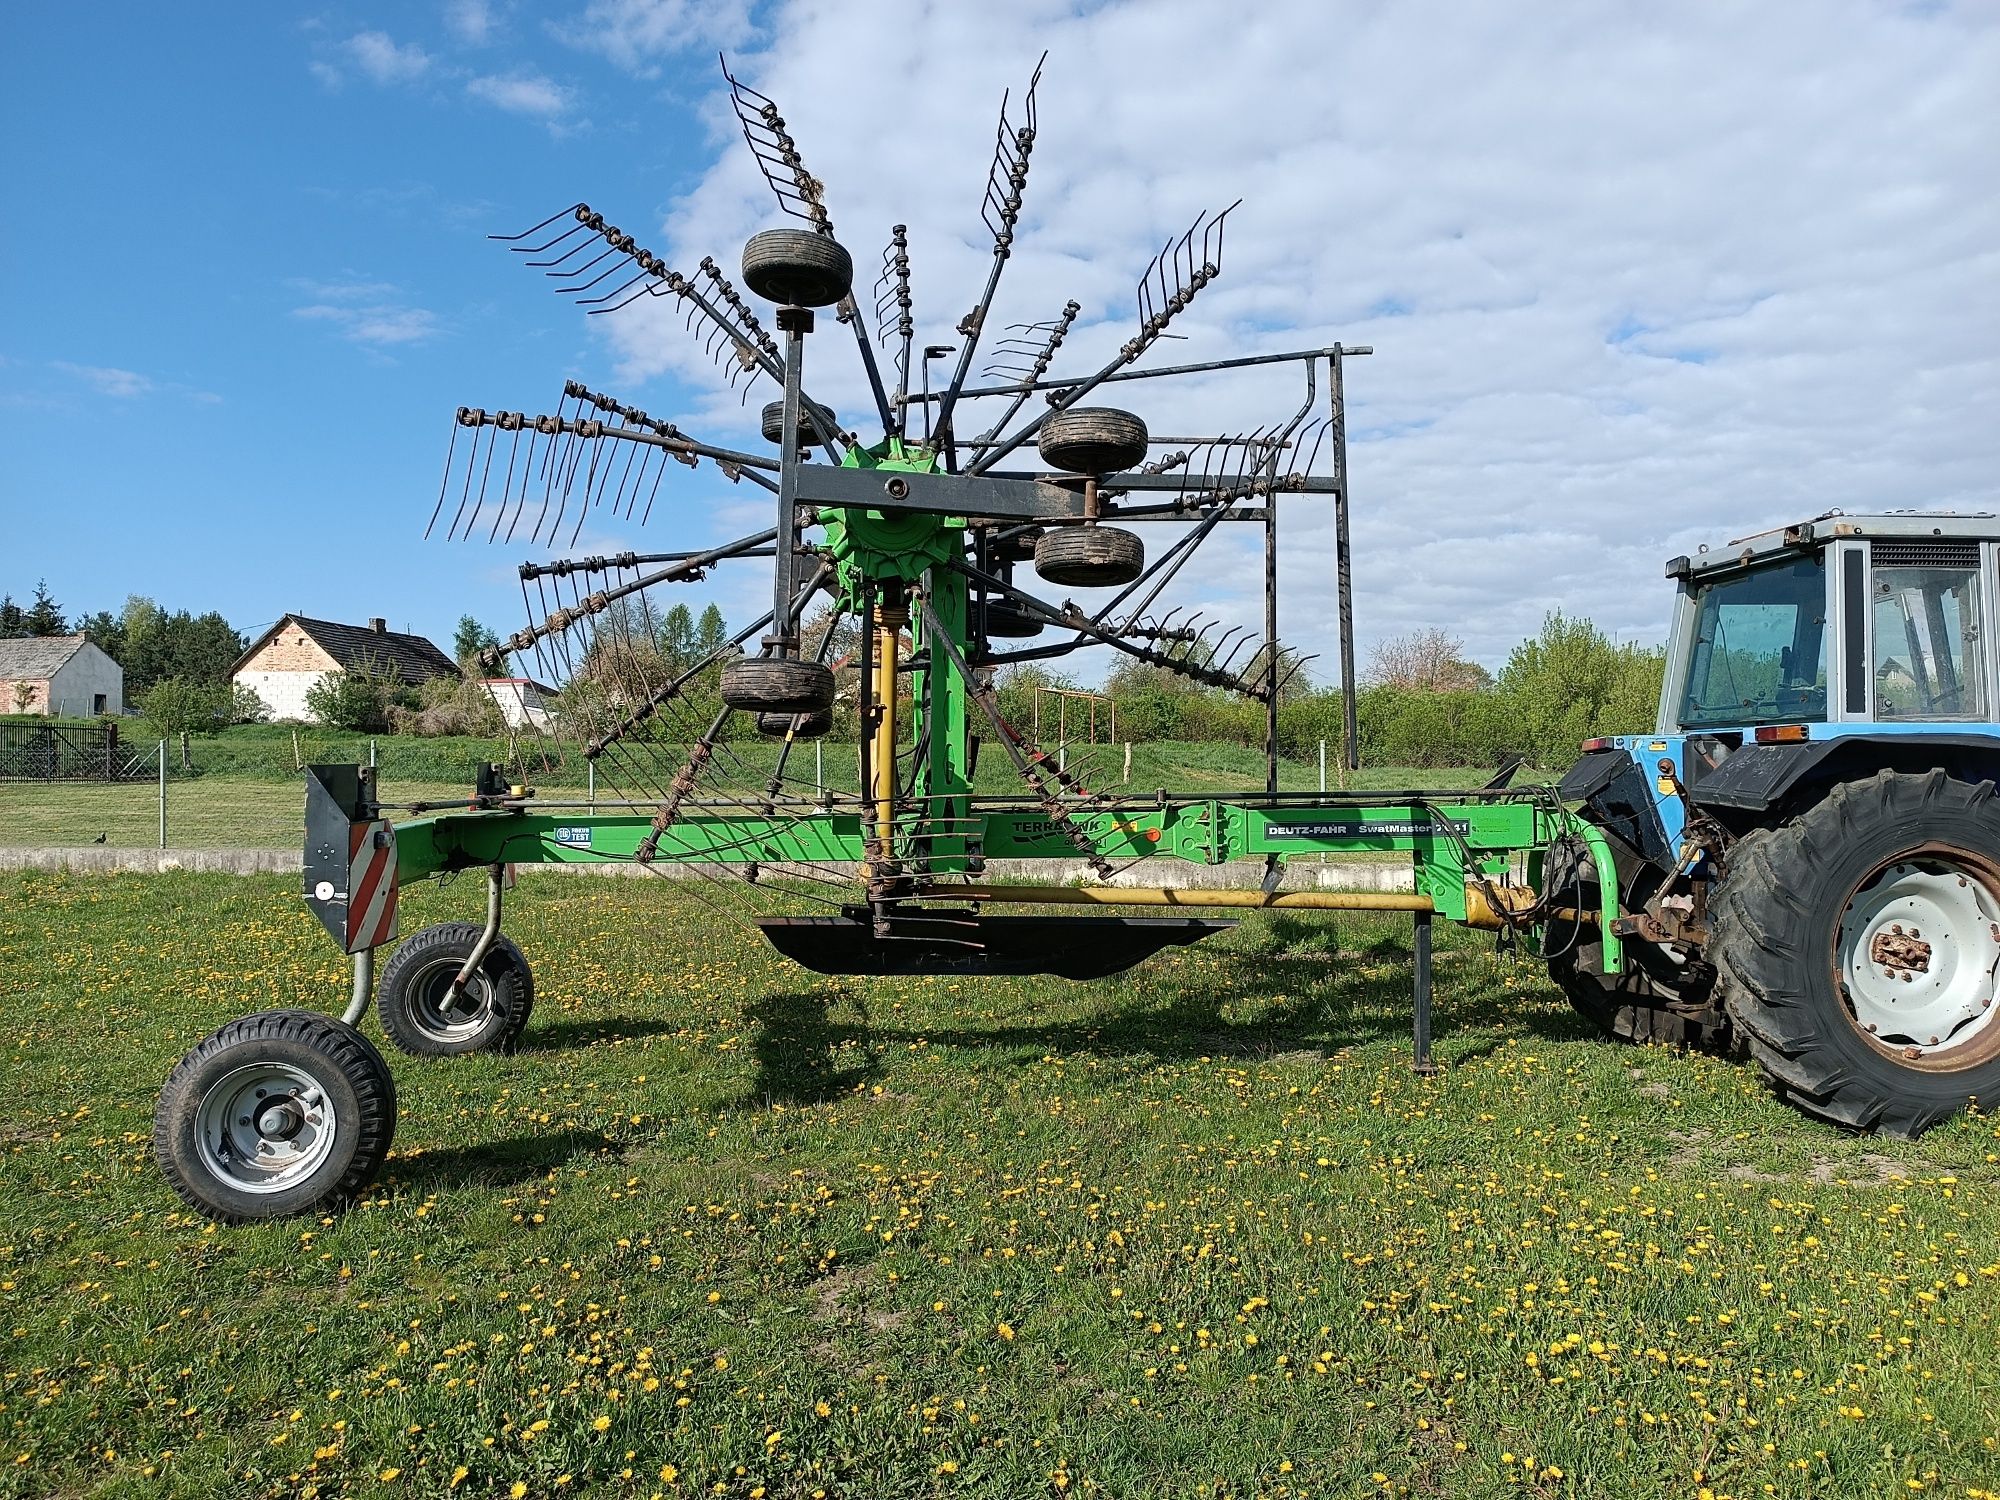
(1635, 280)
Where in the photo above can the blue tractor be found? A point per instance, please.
(1808, 849)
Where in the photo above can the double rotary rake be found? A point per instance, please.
(915, 551)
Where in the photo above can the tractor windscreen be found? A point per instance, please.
(1759, 649)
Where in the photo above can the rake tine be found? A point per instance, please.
(451, 447)
(563, 272)
(538, 228)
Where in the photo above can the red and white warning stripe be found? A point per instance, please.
(371, 885)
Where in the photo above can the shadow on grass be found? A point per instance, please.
(494, 1163)
(803, 1055)
(565, 1034)
(1281, 986)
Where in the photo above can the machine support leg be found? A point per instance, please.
(495, 883)
(1421, 1062)
(364, 987)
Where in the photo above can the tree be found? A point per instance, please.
(44, 616)
(470, 639)
(359, 699)
(711, 631)
(245, 707)
(1571, 682)
(201, 648)
(13, 620)
(24, 697)
(1430, 661)
(176, 707)
(106, 632)
(676, 637)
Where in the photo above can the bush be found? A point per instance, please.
(359, 699)
(450, 705)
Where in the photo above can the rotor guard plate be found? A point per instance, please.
(963, 943)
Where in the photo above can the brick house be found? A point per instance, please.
(59, 674)
(285, 661)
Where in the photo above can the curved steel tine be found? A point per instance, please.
(569, 233)
(451, 447)
(604, 275)
(538, 228)
(577, 249)
(595, 311)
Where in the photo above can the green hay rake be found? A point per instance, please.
(914, 542)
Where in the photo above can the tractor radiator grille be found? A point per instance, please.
(1924, 554)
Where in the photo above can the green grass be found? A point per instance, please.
(1193, 1231)
(235, 808)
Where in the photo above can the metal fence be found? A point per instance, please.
(163, 795)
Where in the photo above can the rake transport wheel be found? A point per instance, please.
(1090, 557)
(771, 422)
(797, 268)
(287, 1112)
(1857, 948)
(777, 685)
(1092, 440)
(413, 993)
(812, 726)
(1005, 622)
(1017, 546)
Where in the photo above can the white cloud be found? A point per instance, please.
(636, 34)
(521, 94)
(107, 380)
(471, 21)
(366, 312)
(126, 385)
(1634, 280)
(378, 57)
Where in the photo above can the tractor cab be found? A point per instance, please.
(1876, 621)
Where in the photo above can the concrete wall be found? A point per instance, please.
(83, 679)
(283, 669)
(284, 693)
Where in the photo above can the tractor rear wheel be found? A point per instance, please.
(1090, 557)
(777, 685)
(1650, 1001)
(797, 268)
(1857, 948)
(491, 1012)
(287, 1112)
(1633, 1006)
(1092, 440)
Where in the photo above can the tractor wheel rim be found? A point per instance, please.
(1917, 954)
(428, 988)
(265, 1127)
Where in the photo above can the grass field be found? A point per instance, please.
(724, 1227)
(233, 809)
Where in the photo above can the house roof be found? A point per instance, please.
(413, 657)
(39, 655)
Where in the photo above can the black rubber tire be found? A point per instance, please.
(1772, 928)
(357, 1085)
(810, 726)
(1092, 440)
(1090, 557)
(1016, 547)
(773, 685)
(797, 268)
(499, 998)
(771, 422)
(1633, 1006)
(1007, 623)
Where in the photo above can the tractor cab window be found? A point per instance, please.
(1759, 649)
(1926, 636)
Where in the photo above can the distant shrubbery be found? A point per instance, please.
(1419, 706)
